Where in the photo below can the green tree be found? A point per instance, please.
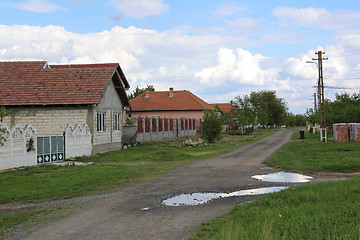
(344, 108)
(293, 120)
(212, 125)
(3, 113)
(138, 91)
(243, 112)
(262, 107)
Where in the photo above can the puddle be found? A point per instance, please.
(283, 177)
(194, 199)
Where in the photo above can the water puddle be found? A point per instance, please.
(283, 177)
(194, 199)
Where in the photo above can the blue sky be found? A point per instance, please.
(215, 49)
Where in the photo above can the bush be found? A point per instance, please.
(129, 121)
(212, 125)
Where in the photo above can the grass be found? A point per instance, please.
(311, 155)
(11, 223)
(111, 170)
(328, 210)
(316, 211)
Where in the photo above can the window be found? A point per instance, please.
(100, 121)
(117, 121)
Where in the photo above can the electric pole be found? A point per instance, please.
(321, 96)
(315, 106)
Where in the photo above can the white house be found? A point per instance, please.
(72, 109)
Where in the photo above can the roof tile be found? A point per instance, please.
(160, 100)
(29, 83)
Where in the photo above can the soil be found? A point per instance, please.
(137, 212)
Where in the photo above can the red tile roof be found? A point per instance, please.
(225, 107)
(160, 100)
(34, 83)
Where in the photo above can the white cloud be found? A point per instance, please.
(42, 6)
(197, 63)
(140, 8)
(55, 44)
(339, 20)
(298, 68)
(229, 9)
(304, 16)
(238, 66)
(244, 25)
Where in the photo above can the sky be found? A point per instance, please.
(216, 49)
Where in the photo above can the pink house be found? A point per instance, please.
(169, 104)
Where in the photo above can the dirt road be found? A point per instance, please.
(137, 212)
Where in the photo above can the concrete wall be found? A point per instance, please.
(13, 152)
(157, 129)
(198, 115)
(77, 141)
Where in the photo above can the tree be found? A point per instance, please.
(138, 91)
(295, 120)
(3, 113)
(212, 125)
(344, 108)
(262, 107)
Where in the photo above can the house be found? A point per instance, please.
(169, 104)
(82, 102)
(227, 109)
(224, 107)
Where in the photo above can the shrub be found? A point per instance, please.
(212, 125)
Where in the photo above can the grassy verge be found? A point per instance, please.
(12, 223)
(114, 169)
(320, 211)
(311, 155)
(316, 211)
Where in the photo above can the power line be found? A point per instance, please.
(336, 87)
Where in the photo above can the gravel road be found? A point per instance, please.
(137, 212)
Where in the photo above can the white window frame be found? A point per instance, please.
(117, 121)
(100, 121)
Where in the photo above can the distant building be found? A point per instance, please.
(169, 104)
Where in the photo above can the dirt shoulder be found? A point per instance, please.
(137, 212)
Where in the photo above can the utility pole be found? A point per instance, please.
(321, 96)
(315, 106)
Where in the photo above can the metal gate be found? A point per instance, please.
(50, 149)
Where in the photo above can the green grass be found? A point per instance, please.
(311, 155)
(11, 223)
(115, 169)
(109, 171)
(320, 211)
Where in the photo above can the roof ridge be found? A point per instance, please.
(193, 96)
(83, 65)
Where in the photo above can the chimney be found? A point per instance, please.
(171, 92)
(147, 94)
